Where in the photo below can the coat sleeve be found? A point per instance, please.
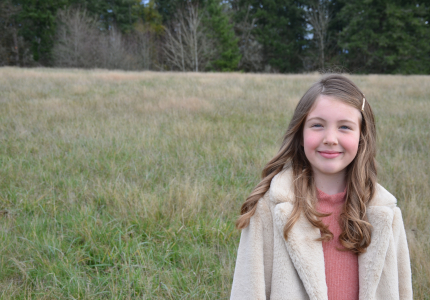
(403, 260)
(253, 270)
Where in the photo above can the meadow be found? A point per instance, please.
(121, 185)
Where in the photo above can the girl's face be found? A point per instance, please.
(331, 135)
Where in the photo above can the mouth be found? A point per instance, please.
(329, 154)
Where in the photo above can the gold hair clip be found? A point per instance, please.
(364, 101)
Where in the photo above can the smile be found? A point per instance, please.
(329, 154)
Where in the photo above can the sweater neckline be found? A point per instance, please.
(334, 199)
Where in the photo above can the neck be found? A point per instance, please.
(330, 183)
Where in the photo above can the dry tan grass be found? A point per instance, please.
(160, 162)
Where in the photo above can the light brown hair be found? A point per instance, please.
(360, 176)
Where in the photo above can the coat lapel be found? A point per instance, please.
(371, 262)
(308, 257)
(305, 252)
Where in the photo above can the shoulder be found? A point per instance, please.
(260, 226)
(383, 213)
(281, 188)
(263, 213)
(280, 191)
(263, 206)
(383, 197)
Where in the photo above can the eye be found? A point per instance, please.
(345, 127)
(316, 125)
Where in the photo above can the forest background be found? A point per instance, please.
(285, 36)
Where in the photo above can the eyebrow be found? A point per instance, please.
(340, 121)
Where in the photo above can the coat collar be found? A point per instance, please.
(307, 253)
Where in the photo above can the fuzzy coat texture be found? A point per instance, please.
(269, 267)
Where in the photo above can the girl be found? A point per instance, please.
(318, 226)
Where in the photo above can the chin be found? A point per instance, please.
(330, 171)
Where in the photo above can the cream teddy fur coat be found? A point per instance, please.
(270, 267)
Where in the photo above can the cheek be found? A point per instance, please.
(311, 140)
(350, 144)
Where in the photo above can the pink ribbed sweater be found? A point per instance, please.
(341, 267)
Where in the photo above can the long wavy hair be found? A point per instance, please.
(360, 174)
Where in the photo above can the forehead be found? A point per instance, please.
(328, 107)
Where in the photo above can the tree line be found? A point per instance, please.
(286, 36)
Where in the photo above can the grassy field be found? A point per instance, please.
(119, 185)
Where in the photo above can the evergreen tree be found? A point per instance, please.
(148, 17)
(220, 29)
(148, 32)
(11, 48)
(37, 25)
(110, 13)
(386, 36)
(280, 27)
(168, 8)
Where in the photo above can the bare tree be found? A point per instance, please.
(187, 47)
(80, 43)
(319, 16)
(113, 52)
(250, 48)
(77, 40)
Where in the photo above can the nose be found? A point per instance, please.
(330, 137)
